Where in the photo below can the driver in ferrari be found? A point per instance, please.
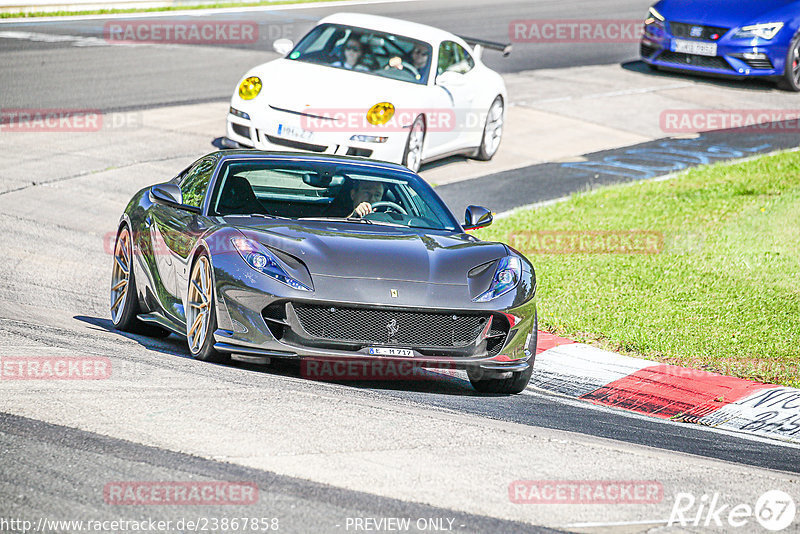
(364, 194)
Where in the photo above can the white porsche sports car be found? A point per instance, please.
(375, 87)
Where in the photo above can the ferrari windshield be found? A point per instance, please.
(324, 189)
(367, 51)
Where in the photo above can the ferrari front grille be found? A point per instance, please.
(388, 327)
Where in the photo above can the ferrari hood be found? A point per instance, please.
(723, 13)
(318, 89)
(361, 251)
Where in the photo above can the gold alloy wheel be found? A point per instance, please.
(120, 275)
(200, 298)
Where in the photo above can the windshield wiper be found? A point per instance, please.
(338, 219)
(265, 216)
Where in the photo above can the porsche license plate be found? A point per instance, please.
(694, 47)
(386, 351)
(294, 132)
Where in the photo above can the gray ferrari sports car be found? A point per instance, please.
(258, 255)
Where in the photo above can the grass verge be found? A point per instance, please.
(718, 287)
(112, 11)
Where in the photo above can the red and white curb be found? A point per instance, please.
(666, 391)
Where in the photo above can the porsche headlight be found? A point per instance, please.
(250, 87)
(380, 113)
(506, 277)
(653, 16)
(262, 260)
(763, 31)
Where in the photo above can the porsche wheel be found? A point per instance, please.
(791, 74)
(201, 317)
(492, 131)
(124, 306)
(412, 156)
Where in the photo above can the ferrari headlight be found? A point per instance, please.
(763, 31)
(262, 260)
(506, 277)
(653, 16)
(380, 113)
(250, 87)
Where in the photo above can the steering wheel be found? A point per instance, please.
(387, 204)
(406, 66)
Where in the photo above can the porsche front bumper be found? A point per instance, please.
(278, 129)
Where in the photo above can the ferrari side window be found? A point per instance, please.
(193, 186)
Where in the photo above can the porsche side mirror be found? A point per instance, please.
(282, 46)
(450, 78)
(477, 217)
(170, 195)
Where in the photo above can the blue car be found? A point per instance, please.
(750, 38)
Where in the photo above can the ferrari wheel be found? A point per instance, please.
(492, 131)
(124, 301)
(412, 156)
(201, 317)
(124, 306)
(509, 383)
(791, 74)
(484, 382)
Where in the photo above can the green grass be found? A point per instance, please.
(216, 5)
(722, 295)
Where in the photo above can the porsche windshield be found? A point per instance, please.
(308, 190)
(367, 51)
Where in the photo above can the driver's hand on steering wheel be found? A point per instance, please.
(396, 62)
(365, 208)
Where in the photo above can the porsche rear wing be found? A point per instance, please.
(478, 45)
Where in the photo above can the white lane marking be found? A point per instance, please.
(618, 523)
(76, 40)
(624, 92)
(201, 12)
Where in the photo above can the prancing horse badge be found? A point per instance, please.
(394, 293)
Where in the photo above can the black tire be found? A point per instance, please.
(125, 318)
(505, 383)
(124, 303)
(203, 349)
(415, 143)
(485, 151)
(791, 72)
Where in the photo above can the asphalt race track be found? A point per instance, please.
(325, 457)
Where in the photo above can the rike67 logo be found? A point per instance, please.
(774, 510)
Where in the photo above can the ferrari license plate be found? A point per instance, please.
(386, 351)
(694, 47)
(294, 132)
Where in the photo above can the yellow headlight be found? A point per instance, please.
(380, 113)
(250, 87)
